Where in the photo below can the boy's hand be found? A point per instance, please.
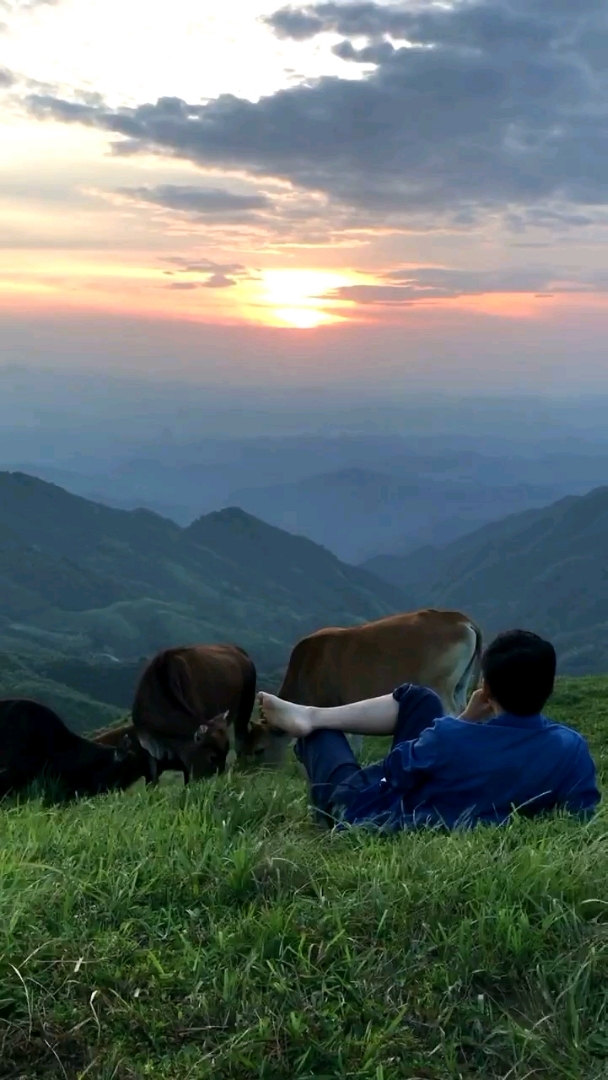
(478, 708)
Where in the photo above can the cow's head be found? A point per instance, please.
(132, 760)
(263, 746)
(207, 753)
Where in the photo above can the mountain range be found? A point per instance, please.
(357, 495)
(83, 582)
(544, 569)
(359, 512)
(88, 593)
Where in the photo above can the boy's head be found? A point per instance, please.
(518, 670)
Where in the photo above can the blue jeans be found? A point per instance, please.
(333, 771)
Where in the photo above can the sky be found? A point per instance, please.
(379, 196)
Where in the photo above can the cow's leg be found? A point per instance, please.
(152, 779)
(242, 716)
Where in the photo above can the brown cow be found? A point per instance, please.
(196, 757)
(336, 666)
(35, 744)
(187, 699)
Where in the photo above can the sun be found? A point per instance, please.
(302, 318)
(295, 297)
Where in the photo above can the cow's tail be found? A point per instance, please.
(290, 689)
(245, 707)
(165, 692)
(472, 673)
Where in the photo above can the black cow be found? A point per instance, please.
(35, 744)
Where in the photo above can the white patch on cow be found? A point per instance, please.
(464, 671)
(155, 748)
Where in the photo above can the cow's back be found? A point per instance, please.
(30, 731)
(184, 686)
(34, 741)
(112, 736)
(336, 665)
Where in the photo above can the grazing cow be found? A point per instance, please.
(200, 755)
(336, 666)
(124, 737)
(35, 744)
(186, 701)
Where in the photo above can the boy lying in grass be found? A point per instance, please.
(500, 755)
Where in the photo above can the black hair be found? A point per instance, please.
(519, 670)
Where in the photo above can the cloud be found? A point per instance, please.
(202, 201)
(204, 266)
(411, 286)
(7, 78)
(219, 275)
(216, 281)
(283, 217)
(490, 105)
(219, 281)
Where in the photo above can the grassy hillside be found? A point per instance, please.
(80, 710)
(80, 582)
(213, 934)
(544, 569)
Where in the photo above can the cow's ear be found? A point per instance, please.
(200, 732)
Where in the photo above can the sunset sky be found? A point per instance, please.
(376, 187)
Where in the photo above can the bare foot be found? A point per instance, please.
(293, 719)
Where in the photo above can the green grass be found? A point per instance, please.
(214, 933)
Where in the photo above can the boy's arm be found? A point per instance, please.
(413, 761)
(579, 794)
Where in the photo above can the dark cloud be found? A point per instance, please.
(206, 202)
(467, 23)
(438, 283)
(287, 215)
(506, 111)
(6, 78)
(219, 275)
(219, 281)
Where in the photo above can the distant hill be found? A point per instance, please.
(356, 512)
(81, 710)
(359, 496)
(544, 569)
(79, 580)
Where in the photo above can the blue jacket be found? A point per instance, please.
(459, 773)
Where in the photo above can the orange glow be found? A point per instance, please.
(293, 297)
(303, 318)
(507, 305)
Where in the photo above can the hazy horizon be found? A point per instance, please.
(97, 407)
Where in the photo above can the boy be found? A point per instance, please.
(501, 754)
